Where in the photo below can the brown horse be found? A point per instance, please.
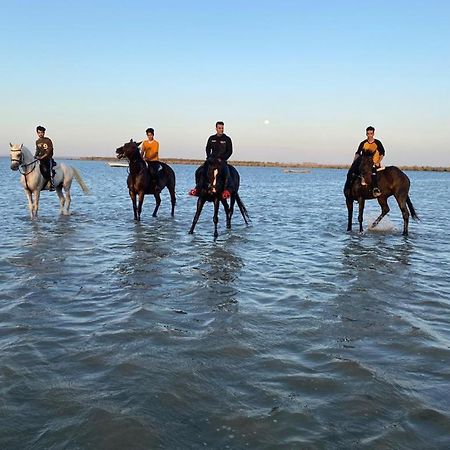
(141, 182)
(212, 184)
(391, 181)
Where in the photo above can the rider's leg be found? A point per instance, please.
(153, 172)
(376, 191)
(198, 174)
(52, 175)
(226, 192)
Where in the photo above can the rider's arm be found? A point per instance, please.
(229, 149)
(208, 147)
(380, 148)
(49, 152)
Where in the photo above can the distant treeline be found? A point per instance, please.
(305, 165)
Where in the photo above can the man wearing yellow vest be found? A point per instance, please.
(374, 146)
(150, 153)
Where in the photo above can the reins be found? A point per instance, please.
(26, 165)
(21, 165)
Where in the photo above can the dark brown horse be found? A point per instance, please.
(141, 182)
(391, 181)
(211, 187)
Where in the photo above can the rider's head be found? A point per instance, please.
(40, 131)
(370, 131)
(219, 127)
(150, 133)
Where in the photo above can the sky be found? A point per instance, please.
(293, 80)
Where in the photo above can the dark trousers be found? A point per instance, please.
(47, 171)
(374, 177)
(153, 169)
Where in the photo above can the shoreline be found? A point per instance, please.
(305, 165)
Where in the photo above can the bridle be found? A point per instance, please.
(20, 161)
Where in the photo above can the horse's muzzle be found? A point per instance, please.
(15, 166)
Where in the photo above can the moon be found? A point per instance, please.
(266, 122)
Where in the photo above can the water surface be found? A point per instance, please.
(290, 333)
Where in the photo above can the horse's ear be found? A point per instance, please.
(10, 144)
(21, 145)
(131, 140)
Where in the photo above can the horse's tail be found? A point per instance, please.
(80, 181)
(243, 209)
(411, 209)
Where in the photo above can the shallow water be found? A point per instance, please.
(290, 333)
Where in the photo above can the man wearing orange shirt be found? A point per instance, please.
(150, 153)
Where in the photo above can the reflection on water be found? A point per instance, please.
(121, 334)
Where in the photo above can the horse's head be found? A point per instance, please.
(366, 164)
(15, 151)
(129, 150)
(215, 176)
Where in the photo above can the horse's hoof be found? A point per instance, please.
(191, 232)
(154, 215)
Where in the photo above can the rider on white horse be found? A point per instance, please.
(44, 153)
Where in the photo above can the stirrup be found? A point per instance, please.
(376, 192)
(226, 194)
(193, 192)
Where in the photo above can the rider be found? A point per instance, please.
(220, 147)
(374, 146)
(44, 153)
(150, 153)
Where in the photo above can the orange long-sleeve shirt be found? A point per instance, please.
(150, 150)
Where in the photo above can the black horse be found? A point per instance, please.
(211, 189)
(391, 181)
(141, 180)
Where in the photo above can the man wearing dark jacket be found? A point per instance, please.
(220, 147)
(44, 153)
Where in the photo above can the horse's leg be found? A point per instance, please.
(37, 194)
(349, 202)
(29, 195)
(232, 200)
(200, 203)
(405, 213)
(133, 201)
(62, 199)
(216, 216)
(141, 196)
(68, 199)
(173, 199)
(227, 212)
(382, 201)
(157, 196)
(361, 202)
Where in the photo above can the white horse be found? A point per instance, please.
(33, 182)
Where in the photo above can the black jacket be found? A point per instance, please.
(219, 147)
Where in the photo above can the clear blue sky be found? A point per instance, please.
(293, 81)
